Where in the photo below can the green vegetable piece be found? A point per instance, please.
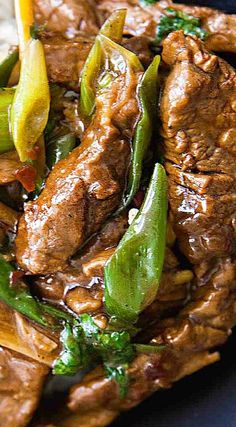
(106, 56)
(83, 342)
(112, 28)
(147, 2)
(119, 375)
(56, 313)
(149, 348)
(87, 89)
(178, 20)
(18, 297)
(70, 360)
(7, 66)
(132, 275)
(30, 107)
(6, 98)
(114, 25)
(147, 95)
(59, 148)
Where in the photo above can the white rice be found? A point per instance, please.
(8, 35)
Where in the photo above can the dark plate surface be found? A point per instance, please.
(207, 398)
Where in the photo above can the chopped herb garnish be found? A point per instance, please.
(147, 2)
(176, 20)
(119, 375)
(83, 343)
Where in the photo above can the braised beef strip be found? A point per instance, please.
(68, 17)
(21, 384)
(85, 188)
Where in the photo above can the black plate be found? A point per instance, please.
(207, 398)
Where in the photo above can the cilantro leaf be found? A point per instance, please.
(147, 2)
(83, 342)
(177, 20)
(119, 375)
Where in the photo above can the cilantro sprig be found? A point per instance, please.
(84, 343)
(176, 20)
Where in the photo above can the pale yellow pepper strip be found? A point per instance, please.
(30, 108)
(24, 19)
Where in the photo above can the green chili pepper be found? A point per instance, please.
(58, 149)
(6, 98)
(112, 29)
(147, 94)
(7, 66)
(132, 275)
(18, 297)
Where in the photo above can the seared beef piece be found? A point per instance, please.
(199, 125)
(140, 45)
(80, 286)
(143, 20)
(66, 17)
(85, 188)
(65, 58)
(21, 383)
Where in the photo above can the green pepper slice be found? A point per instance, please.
(59, 148)
(147, 95)
(132, 275)
(18, 297)
(30, 107)
(113, 29)
(7, 66)
(6, 98)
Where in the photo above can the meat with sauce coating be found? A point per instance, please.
(85, 188)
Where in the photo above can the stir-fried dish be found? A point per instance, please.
(117, 204)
